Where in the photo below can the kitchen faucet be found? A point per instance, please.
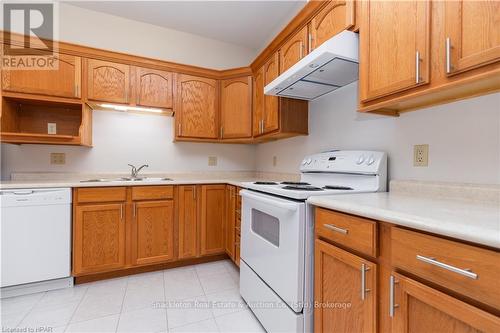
(135, 171)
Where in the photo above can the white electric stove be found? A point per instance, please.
(277, 234)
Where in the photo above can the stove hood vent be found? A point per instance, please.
(332, 65)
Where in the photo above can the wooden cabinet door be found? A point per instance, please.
(271, 103)
(338, 280)
(236, 108)
(196, 108)
(152, 231)
(65, 81)
(154, 88)
(419, 308)
(108, 81)
(213, 199)
(472, 28)
(230, 221)
(98, 238)
(258, 102)
(187, 212)
(335, 17)
(293, 50)
(394, 47)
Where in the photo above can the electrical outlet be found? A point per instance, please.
(275, 161)
(51, 128)
(212, 160)
(57, 158)
(420, 155)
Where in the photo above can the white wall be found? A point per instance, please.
(122, 138)
(463, 138)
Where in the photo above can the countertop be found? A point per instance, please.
(468, 220)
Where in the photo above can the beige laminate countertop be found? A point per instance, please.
(473, 221)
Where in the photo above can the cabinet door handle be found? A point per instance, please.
(301, 49)
(310, 42)
(134, 209)
(417, 67)
(392, 306)
(121, 212)
(432, 261)
(179, 128)
(449, 67)
(364, 269)
(337, 229)
(221, 132)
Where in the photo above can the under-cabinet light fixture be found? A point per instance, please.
(126, 108)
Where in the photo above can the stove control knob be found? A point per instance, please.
(370, 161)
(360, 160)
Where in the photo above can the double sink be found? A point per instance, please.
(126, 179)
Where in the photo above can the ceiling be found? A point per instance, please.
(250, 24)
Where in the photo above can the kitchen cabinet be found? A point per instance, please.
(333, 18)
(472, 34)
(188, 218)
(154, 88)
(394, 47)
(276, 117)
(419, 308)
(346, 280)
(213, 211)
(63, 81)
(230, 221)
(108, 81)
(152, 231)
(294, 49)
(236, 108)
(196, 111)
(98, 238)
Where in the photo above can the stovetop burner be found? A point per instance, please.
(294, 183)
(265, 183)
(302, 188)
(337, 187)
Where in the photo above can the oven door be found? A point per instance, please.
(272, 243)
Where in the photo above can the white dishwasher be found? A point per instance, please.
(35, 231)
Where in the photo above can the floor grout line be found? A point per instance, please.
(31, 309)
(121, 308)
(76, 309)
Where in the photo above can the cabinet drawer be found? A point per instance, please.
(100, 194)
(152, 192)
(354, 232)
(466, 269)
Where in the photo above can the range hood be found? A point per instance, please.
(332, 65)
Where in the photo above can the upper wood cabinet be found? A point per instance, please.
(196, 110)
(98, 238)
(188, 218)
(419, 308)
(258, 102)
(472, 34)
(293, 50)
(65, 81)
(394, 46)
(270, 117)
(343, 278)
(335, 17)
(154, 88)
(108, 81)
(236, 108)
(213, 213)
(152, 231)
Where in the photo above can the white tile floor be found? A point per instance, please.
(198, 298)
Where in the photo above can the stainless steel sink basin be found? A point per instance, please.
(127, 179)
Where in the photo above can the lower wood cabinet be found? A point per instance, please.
(345, 291)
(188, 218)
(419, 308)
(152, 232)
(98, 238)
(230, 221)
(213, 206)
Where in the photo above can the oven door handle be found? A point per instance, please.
(275, 202)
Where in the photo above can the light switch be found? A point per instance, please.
(212, 160)
(57, 158)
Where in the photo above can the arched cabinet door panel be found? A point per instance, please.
(293, 50)
(236, 108)
(335, 17)
(154, 88)
(108, 81)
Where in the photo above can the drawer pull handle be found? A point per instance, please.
(364, 269)
(432, 261)
(337, 229)
(392, 306)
